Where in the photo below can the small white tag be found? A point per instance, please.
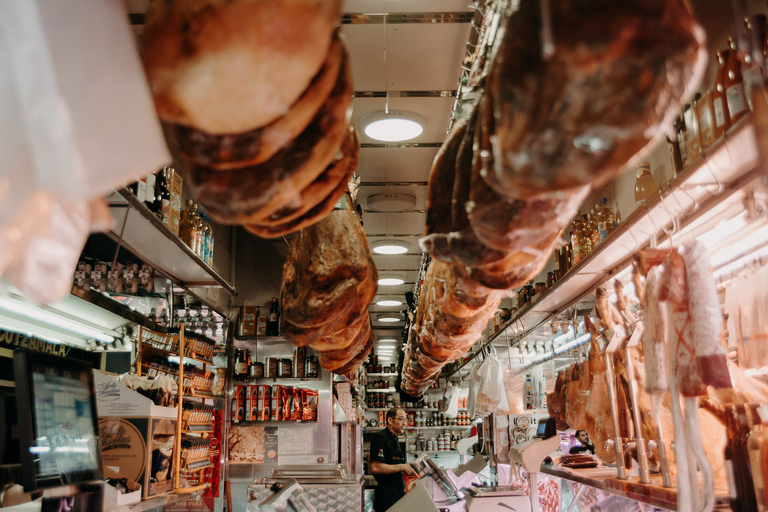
(615, 343)
(637, 335)
(502, 422)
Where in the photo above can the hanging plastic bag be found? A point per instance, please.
(491, 395)
(78, 121)
(474, 384)
(451, 398)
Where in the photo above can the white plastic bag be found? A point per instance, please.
(451, 398)
(474, 384)
(77, 121)
(491, 395)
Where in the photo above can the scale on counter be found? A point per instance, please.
(529, 456)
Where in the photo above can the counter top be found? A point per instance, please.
(605, 479)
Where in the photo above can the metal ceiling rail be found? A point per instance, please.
(402, 145)
(406, 17)
(393, 184)
(405, 94)
(140, 18)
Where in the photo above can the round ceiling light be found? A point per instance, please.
(389, 302)
(391, 281)
(387, 339)
(391, 202)
(393, 126)
(388, 318)
(389, 247)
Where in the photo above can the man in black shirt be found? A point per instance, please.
(583, 438)
(388, 462)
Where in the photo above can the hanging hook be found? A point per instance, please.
(714, 176)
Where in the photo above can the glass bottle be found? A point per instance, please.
(188, 225)
(198, 233)
(585, 237)
(606, 221)
(674, 146)
(706, 121)
(241, 364)
(753, 62)
(595, 238)
(645, 185)
(733, 83)
(163, 197)
(149, 191)
(208, 232)
(719, 101)
(273, 324)
(737, 468)
(575, 230)
(755, 439)
(693, 135)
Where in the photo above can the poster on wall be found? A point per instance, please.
(255, 445)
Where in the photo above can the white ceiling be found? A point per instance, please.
(408, 60)
(422, 58)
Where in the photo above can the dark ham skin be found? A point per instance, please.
(548, 131)
(610, 89)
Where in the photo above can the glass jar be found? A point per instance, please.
(540, 288)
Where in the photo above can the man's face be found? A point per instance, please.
(583, 437)
(399, 422)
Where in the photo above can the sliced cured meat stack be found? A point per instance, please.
(545, 131)
(234, 66)
(259, 110)
(329, 281)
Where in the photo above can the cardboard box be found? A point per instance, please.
(247, 322)
(270, 369)
(277, 403)
(253, 409)
(264, 403)
(176, 187)
(300, 362)
(238, 404)
(261, 326)
(138, 438)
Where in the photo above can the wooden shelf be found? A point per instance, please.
(724, 168)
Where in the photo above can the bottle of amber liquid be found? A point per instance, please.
(585, 237)
(733, 83)
(755, 440)
(706, 121)
(674, 145)
(645, 185)
(737, 468)
(719, 101)
(188, 225)
(575, 230)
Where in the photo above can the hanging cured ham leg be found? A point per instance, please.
(545, 132)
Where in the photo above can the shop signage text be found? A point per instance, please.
(15, 340)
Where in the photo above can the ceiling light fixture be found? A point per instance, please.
(393, 126)
(388, 318)
(381, 340)
(391, 202)
(39, 315)
(390, 247)
(391, 281)
(389, 302)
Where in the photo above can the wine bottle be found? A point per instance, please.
(273, 325)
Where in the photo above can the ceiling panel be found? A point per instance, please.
(393, 164)
(399, 261)
(419, 57)
(385, 223)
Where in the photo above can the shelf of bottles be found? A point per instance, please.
(149, 220)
